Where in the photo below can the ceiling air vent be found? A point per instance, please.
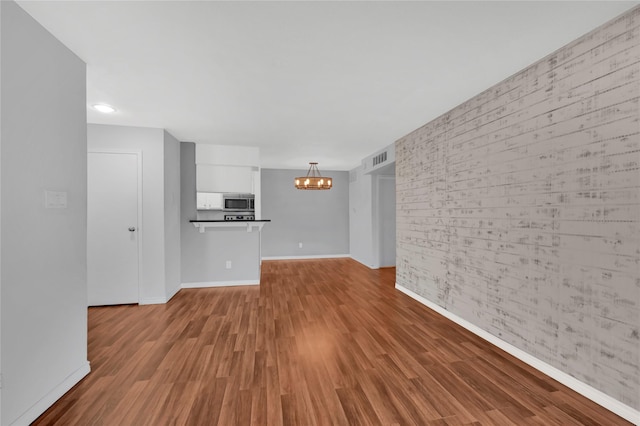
(380, 158)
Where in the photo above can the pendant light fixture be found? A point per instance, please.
(313, 179)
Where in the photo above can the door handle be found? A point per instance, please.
(133, 228)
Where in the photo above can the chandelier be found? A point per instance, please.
(313, 179)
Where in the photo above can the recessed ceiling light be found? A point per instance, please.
(107, 109)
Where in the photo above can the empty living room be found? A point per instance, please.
(319, 213)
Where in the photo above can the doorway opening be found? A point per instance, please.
(384, 215)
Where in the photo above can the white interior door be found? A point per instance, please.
(113, 230)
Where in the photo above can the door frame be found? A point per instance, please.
(139, 226)
(377, 221)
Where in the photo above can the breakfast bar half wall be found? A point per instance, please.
(232, 253)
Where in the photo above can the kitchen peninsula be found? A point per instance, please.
(217, 251)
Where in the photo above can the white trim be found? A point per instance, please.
(173, 293)
(364, 264)
(582, 388)
(250, 225)
(220, 284)
(312, 256)
(153, 301)
(52, 396)
(376, 221)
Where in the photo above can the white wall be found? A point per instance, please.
(228, 155)
(317, 219)
(44, 295)
(0, 226)
(385, 220)
(171, 214)
(361, 217)
(153, 285)
(368, 241)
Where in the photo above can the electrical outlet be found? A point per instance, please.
(299, 245)
(228, 264)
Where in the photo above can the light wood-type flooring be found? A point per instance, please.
(319, 342)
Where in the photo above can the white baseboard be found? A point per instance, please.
(159, 300)
(55, 394)
(152, 301)
(362, 263)
(582, 388)
(312, 256)
(220, 284)
(173, 293)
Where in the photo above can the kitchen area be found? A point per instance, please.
(220, 215)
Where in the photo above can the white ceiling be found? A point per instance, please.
(330, 82)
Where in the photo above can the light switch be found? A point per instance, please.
(55, 199)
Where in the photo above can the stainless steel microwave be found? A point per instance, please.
(238, 202)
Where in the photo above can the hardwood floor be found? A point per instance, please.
(319, 342)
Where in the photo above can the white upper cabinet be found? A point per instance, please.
(209, 201)
(214, 178)
(224, 168)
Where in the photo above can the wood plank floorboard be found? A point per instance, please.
(319, 342)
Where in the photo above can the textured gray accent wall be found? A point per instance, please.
(518, 211)
(317, 219)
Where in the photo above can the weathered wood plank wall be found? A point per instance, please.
(519, 210)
